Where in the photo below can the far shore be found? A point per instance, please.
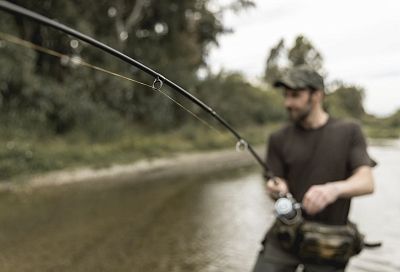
(176, 165)
(199, 163)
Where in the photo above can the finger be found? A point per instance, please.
(317, 205)
(274, 186)
(308, 198)
(307, 205)
(313, 210)
(312, 207)
(270, 183)
(270, 188)
(311, 201)
(321, 198)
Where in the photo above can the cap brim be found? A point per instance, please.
(283, 84)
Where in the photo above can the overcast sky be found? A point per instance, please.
(359, 40)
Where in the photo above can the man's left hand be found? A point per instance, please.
(319, 196)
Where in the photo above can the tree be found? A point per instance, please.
(240, 102)
(280, 58)
(273, 70)
(346, 101)
(304, 53)
(172, 36)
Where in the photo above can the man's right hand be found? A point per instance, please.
(277, 187)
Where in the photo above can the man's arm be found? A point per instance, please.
(319, 196)
(278, 185)
(360, 183)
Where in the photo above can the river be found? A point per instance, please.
(198, 224)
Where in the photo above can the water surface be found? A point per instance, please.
(188, 224)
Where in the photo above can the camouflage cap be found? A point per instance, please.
(299, 78)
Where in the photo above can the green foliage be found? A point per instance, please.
(56, 114)
(304, 53)
(280, 58)
(386, 127)
(394, 119)
(241, 103)
(172, 37)
(27, 154)
(273, 70)
(346, 101)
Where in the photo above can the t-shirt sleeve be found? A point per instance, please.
(358, 150)
(274, 159)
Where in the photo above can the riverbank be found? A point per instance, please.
(173, 166)
(26, 155)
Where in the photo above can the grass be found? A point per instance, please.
(28, 150)
(24, 154)
(381, 132)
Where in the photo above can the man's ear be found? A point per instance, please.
(317, 96)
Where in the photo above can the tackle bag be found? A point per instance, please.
(319, 243)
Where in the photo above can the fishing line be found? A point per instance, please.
(73, 60)
(78, 61)
(43, 20)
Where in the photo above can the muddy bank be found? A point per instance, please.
(177, 165)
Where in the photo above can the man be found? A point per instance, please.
(321, 161)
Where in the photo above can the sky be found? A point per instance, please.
(359, 41)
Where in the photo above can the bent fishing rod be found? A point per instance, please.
(159, 79)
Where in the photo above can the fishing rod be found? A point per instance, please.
(159, 80)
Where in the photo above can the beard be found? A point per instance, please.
(299, 115)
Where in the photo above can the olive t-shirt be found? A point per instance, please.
(306, 157)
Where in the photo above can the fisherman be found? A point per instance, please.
(320, 160)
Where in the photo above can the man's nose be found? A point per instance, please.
(287, 102)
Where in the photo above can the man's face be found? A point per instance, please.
(298, 104)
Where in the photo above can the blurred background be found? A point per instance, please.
(58, 116)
